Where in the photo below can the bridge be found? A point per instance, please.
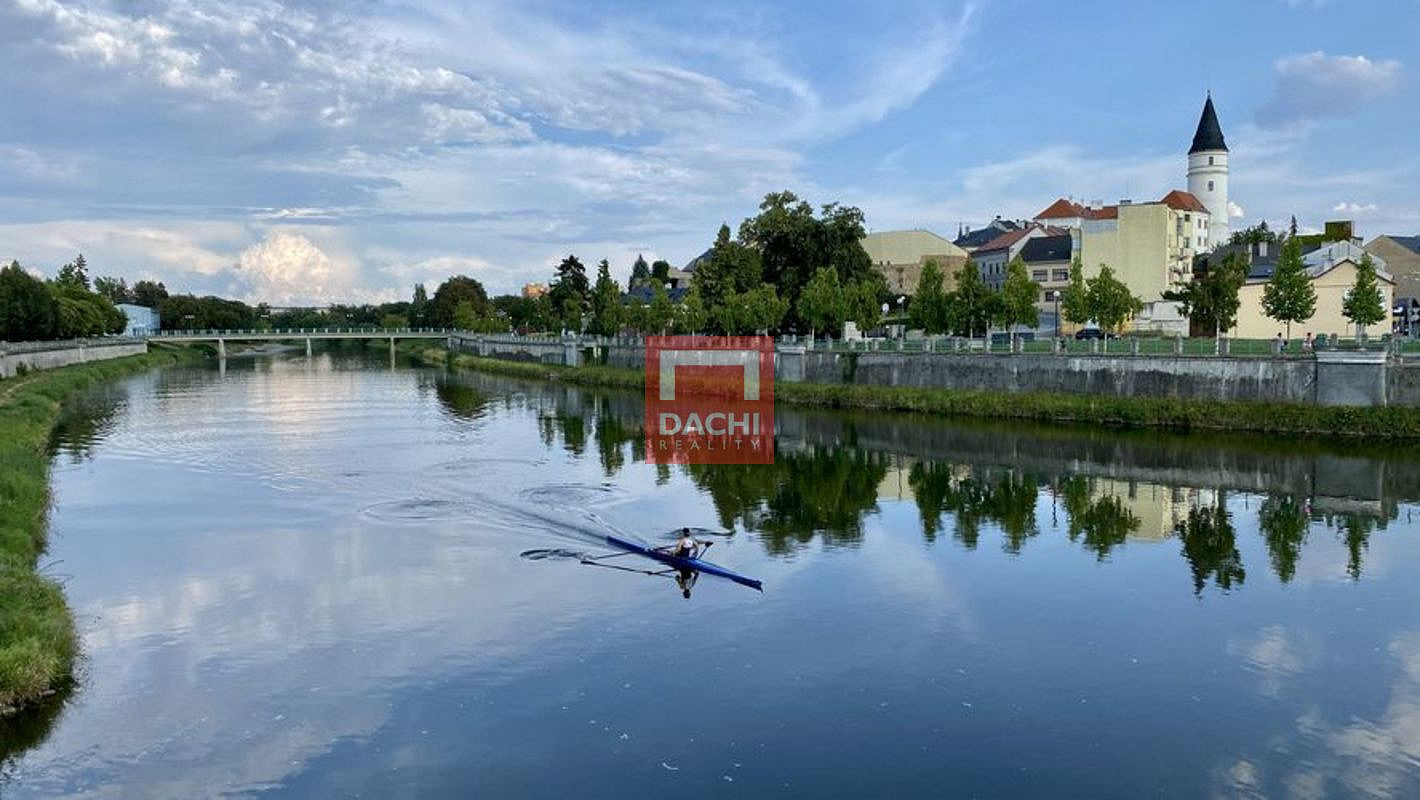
(221, 337)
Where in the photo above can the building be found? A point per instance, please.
(971, 241)
(532, 291)
(991, 258)
(900, 255)
(1402, 258)
(142, 320)
(1047, 260)
(1208, 173)
(1332, 270)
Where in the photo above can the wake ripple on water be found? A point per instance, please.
(418, 509)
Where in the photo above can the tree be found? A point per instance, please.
(419, 306)
(392, 322)
(571, 287)
(451, 293)
(971, 304)
(862, 304)
(1109, 301)
(1254, 235)
(1289, 296)
(75, 274)
(1075, 299)
(793, 243)
(465, 316)
(115, 289)
(821, 305)
(27, 309)
(1211, 300)
(691, 314)
(1019, 295)
(150, 294)
(607, 313)
(1364, 304)
(661, 313)
(729, 269)
(762, 309)
(929, 303)
(640, 273)
(661, 271)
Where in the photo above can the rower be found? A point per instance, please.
(688, 546)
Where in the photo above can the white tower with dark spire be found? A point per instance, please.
(1208, 174)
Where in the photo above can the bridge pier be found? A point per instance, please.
(308, 347)
(221, 348)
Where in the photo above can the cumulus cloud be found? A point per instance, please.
(288, 269)
(1355, 209)
(1315, 85)
(1235, 211)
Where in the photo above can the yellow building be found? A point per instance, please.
(900, 255)
(1150, 246)
(1331, 280)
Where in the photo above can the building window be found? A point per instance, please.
(1210, 161)
(1210, 186)
(1037, 275)
(1187, 217)
(1060, 275)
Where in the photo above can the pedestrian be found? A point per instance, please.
(1307, 343)
(1281, 343)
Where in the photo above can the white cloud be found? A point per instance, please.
(288, 269)
(1314, 85)
(1235, 211)
(1355, 209)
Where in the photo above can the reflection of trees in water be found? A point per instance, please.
(613, 436)
(29, 728)
(823, 491)
(1210, 546)
(1355, 531)
(1284, 523)
(88, 421)
(1008, 502)
(572, 427)
(1099, 524)
(464, 402)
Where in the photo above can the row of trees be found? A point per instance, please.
(66, 307)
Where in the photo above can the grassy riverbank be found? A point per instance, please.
(1136, 412)
(37, 636)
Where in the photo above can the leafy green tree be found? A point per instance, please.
(1075, 299)
(793, 243)
(661, 271)
(454, 291)
(1364, 304)
(1289, 296)
(571, 287)
(759, 309)
(150, 294)
(419, 306)
(28, 311)
(1019, 295)
(863, 304)
(115, 289)
(75, 274)
(691, 314)
(607, 314)
(661, 313)
(971, 303)
(465, 316)
(1254, 235)
(640, 273)
(730, 269)
(821, 305)
(929, 303)
(1211, 300)
(1110, 302)
(638, 317)
(391, 322)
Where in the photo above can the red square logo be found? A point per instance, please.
(709, 399)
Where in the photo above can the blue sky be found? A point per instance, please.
(341, 151)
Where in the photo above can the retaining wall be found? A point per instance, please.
(64, 354)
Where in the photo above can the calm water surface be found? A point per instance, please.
(312, 578)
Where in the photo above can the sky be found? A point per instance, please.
(303, 153)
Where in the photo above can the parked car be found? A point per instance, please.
(1089, 333)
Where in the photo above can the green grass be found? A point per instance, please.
(1133, 412)
(37, 636)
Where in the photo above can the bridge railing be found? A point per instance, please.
(7, 348)
(234, 333)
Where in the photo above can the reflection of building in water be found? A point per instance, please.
(1159, 509)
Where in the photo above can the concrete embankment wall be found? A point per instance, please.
(1338, 378)
(64, 354)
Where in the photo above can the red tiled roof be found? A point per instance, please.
(1067, 209)
(1183, 201)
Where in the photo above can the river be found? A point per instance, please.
(329, 577)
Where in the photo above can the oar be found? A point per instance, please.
(609, 555)
(662, 574)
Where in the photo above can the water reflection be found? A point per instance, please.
(323, 598)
